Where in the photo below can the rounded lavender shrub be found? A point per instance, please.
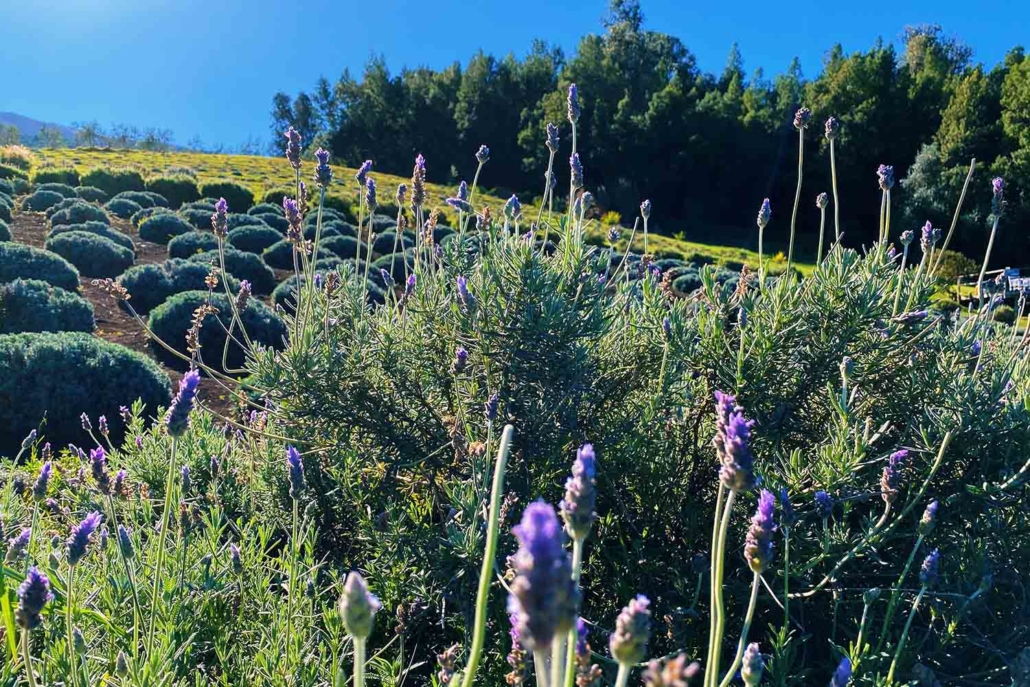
(32, 305)
(25, 262)
(92, 254)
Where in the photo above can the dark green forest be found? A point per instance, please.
(706, 148)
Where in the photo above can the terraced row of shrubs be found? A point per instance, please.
(151, 285)
(33, 305)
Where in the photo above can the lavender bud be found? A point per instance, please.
(667, 328)
(387, 278)
(125, 413)
(45, 452)
(179, 412)
(928, 572)
(409, 285)
(362, 175)
(758, 544)
(86, 425)
(17, 545)
(632, 630)
(39, 488)
(104, 535)
(33, 595)
(358, 607)
(102, 425)
(929, 518)
(645, 209)
(243, 296)
(752, 667)
(907, 237)
(911, 317)
(293, 142)
(573, 104)
(186, 481)
(296, 466)
(418, 182)
(764, 214)
(513, 208)
(885, 176)
(801, 118)
(832, 128)
(81, 536)
(220, 218)
(121, 665)
(463, 291)
(787, 514)
(402, 194)
(998, 196)
(98, 467)
(822, 201)
(576, 168)
(823, 504)
(732, 439)
(613, 235)
(370, 194)
(891, 476)
(461, 357)
(552, 138)
(125, 542)
(237, 561)
(482, 155)
(323, 172)
(490, 409)
(577, 509)
(842, 676)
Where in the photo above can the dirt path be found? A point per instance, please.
(113, 323)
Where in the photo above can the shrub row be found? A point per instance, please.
(32, 305)
(151, 285)
(19, 261)
(92, 254)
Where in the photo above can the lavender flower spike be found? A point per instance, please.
(929, 518)
(928, 572)
(732, 439)
(179, 412)
(764, 214)
(832, 128)
(296, 465)
(125, 542)
(84, 419)
(39, 488)
(753, 665)
(885, 176)
(632, 630)
(573, 104)
(363, 171)
(577, 509)
(998, 196)
(293, 142)
(81, 536)
(891, 476)
(842, 676)
(33, 595)
(358, 606)
(370, 194)
(409, 285)
(544, 599)
(577, 170)
(758, 544)
(17, 545)
(491, 406)
(513, 208)
(482, 155)
(645, 209)
(463, 291)
(552, 138)
(98, 468)
(823, 504)
(323, 172)
(801, 118)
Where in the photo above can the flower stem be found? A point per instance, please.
(570, 653)
(797, 197)
(26, 656)
(954, 218)
(987, 257)
(742, 643)
(822, 231)
(901, 281)
(836, 201)
(904, 635)
(895, 592)
(68, 624)
(623, 676)
(292, 581)
(720, 619)
(540, 662)
(486, 573)
(359, 662)
(161, 538)
(711, 579)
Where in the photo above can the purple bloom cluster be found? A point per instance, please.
(179, 412)
(929, 518)
(732, 438)
(98, 468)
(323, 172)
(418, 182)
(463, 291)
(370, 194)
(81, 536)
(482, 155)
(801, 118)
(185, 482)
(33, 595)
(998, 196)
(513, 208)
(842, 676)
(628, 643)
(402, 194)
(928, 572)
(576, 168)
(544, 599)
(490, 408)
(409, 285)
(17, 545)
(362, 176)
(358, 606)
(822, 201)
(40, 486)
(764, 214)
(573, 104)
(125, 542)
(220, 218)
(823, 504)
(645, 209)
(832, 128)
(296, 466)
(552, 138)
(293, 142)
(461, 199)
(102, 425)
(236, 558)
(577, 508)
(891, 476)
(787, 514)
(885, 176)
(461, 358)
(753, 665)
(758, 544)
(907, 237)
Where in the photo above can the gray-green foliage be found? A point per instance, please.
(31, 305)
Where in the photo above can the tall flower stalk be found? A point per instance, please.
(33, 594)
(927, 578)
(358, 608)
(832, 130)
(907, 237)
(764, 215)
(801, 118)
(577, 509)
(997, 207)
(885, 177)
(297, 488)
(821, 201)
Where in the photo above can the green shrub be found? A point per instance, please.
(6, 187)
(9, 172)
(5, 212)
(953, 265)
(253, 239)
(328, 214)
(98, 228)
(178, 189)
(93, 255)
(277, 222)
(5, 232)
(394, 264)
(198, 218)
(79, 213)
(171, 320)
(64, 190)
(234, 220)
(66, 203)
(151, 285)
(1004, 314)
(280, 255)
(687, 283)
(266, 208)
(145, 199)
(31, 305)
(242, 266)
(122, 207)
(92, 194)
(163, 227)
(327, 231)
(276, 195)
(18, 261)
(114, 181)
(345, 246)
(146, 213)
(57, 376)
(239, 197)
(205, 205)
(59, 175)
(191, 243)
(384, 243)
(341, 206)
(40, 201)
(381, 223)
(21, 185)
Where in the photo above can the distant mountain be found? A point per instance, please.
(29, 128)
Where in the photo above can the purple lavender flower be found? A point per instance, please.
(179, 412)
(929, 518)
(787, 514)
(822, 200)
(911, 317)
(732, 438)
(293, 142)
(17, 545)
(125, 413)
(645, 209)
(418, 182)
(139, 442)
(928, 572)
(632, 630)
(667, 328)
(832, 128)
(582, 632)
(758, 544)
(842, 676)
(907, 237)
(409, 285)
(885, 176)
(358, 606)
(461, 200)
(576, 168)
(102, 425)
(801, 118)
(543, 598)
(552, 138)
(823, 504)
(752, 666)
(577, 509)
(461, 357)
(125, 542)
(33, 595)
(120, 487)
(243, 296)
(362, 175)
(490, 408)
(998, 196)
(236, 559)
(39, 488)
(220, 218)
(98, 467)
(891, 476)
(927, 238)
(764, 214)
(323, 172)
(613, 235)
(296, 465)
(84, 419)
(45, 452)
(386, 278)
(463, 291)
(186, 482)
(573, 104)
(81, 536)
(513, 208)
(370, 194)
(402, 193)
(482, 155)
(292, 212)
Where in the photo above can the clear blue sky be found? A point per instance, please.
(209, 67)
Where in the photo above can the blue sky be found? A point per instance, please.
(209, 68)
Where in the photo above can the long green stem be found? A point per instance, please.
(836, 201)
(901, 281)
(540, 662)
(904, 635)
(859, 650)
(954, 217)
(822, 231)
(712, 667)
(161, 538)
(742, 642)
(623, 676)
(69, 602)
(128, 575)
(486, 572)
(570, 652)
(987, 258)
(359, 662)
(883, 213)
(712, 611)
(786, 577)
(797, 197)
(26, 657)
(291, 584)
(896, 591)
(887, 219)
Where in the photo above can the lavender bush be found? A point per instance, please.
(798, 445)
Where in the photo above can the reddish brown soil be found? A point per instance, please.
(113, 323)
